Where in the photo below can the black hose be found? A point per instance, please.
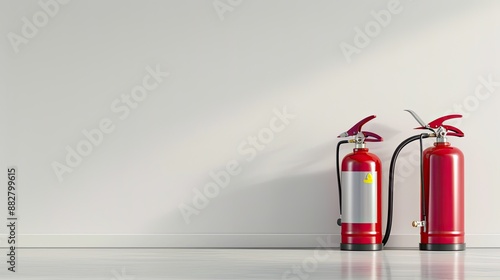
(338, 176)
(391, 182)
(422, 183)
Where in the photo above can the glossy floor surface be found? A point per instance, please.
(135, 264)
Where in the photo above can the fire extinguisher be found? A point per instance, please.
(442, 188)
(360, 193)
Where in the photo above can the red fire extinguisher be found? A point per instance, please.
(360, 193)
(442, 198)
(442, 188)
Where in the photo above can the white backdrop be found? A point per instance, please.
(118, 114)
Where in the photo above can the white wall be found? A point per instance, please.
(227, 75)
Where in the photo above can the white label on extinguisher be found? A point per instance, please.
(359, 197)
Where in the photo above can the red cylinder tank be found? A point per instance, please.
(361, 201)
(444, 199)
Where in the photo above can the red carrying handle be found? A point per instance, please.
(453, 131)
(372, 137)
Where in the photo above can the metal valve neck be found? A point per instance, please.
(359, 141)
(441, 135)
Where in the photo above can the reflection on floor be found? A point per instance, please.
(135, 264)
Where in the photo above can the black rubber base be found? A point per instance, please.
(360, 247)
(442, 247)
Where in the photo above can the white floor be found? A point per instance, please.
(135, 264)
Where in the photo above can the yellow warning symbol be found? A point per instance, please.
(368, 179)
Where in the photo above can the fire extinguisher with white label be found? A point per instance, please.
(442, 188)
(360, 193)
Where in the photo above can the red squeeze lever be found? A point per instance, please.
(452, 131)
(369, 136)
